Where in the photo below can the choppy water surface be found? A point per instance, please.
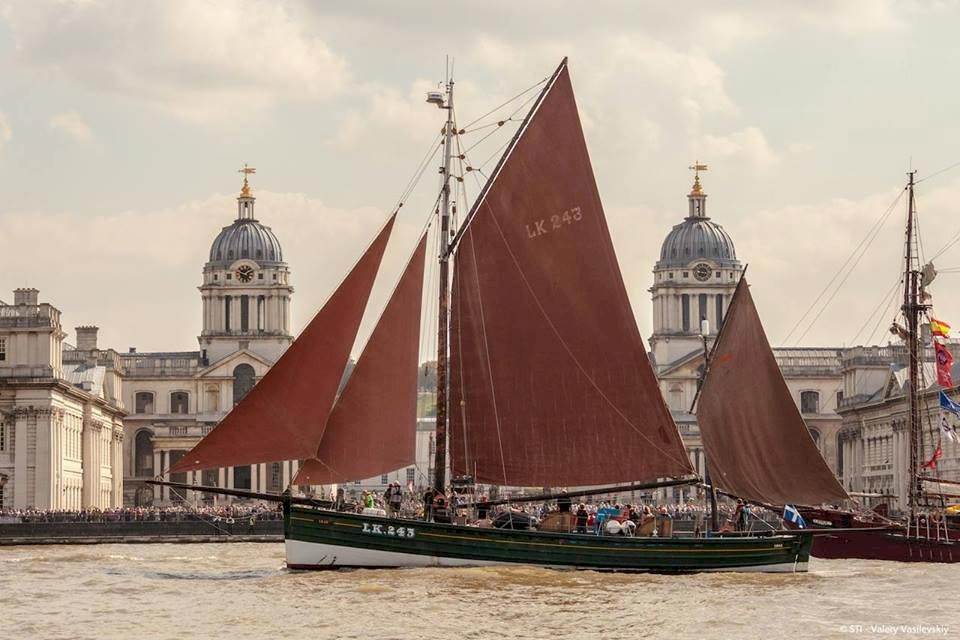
(243, 591)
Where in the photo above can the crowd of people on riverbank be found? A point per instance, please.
(146, 514)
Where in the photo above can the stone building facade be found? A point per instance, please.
(175, 398)
(61, 412)
(873, 454)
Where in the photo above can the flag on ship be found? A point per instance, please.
(947, 428)
(949, 405)
(932, 462)
(790, 514)
(939, 328)
(944, 364)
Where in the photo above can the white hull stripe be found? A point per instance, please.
(314, 555)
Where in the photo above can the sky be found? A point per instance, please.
(122, 125)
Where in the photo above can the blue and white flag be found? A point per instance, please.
(790, 514)
(949, 405)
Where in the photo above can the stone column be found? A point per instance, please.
(20, 498)
(164, 463)
(262, 477)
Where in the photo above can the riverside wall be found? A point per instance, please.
(32, 533)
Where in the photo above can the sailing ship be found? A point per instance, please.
(543, 380)
(758, 447)
(929, 533)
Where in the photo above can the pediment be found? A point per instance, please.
(224, 367)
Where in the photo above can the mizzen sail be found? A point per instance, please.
(757, 445)
(551, 383)
(372, 426)
(283, 416)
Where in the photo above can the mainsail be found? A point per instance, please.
(757, 445)
(283, 416)
(551, 383)
(371, 428)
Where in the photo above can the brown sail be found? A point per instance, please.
(551, 383)
(372, 426)
(283, 416)
(757, 445)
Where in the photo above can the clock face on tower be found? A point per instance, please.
(245, 273)
(702, 272)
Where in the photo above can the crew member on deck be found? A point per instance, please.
(564, 502)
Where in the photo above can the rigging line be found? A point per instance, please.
(685, 462)
(418, 172)
(869, 241)
(498, 107)
(813, 305)
(884, 302)
(501, 123)
(936, 173)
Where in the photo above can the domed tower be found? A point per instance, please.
(246, 288)
(693, 281)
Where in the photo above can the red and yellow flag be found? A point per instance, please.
(939, 328)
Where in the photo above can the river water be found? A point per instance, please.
(242, 590)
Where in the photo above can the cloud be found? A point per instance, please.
(5, 133)
(748, 146)
(71, 125)
(204, 61)
(135, 273)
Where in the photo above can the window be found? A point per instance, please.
(229, 276)
(144, 402)
(411, 474)
(226, 312)
(839, 398)
(176, 495)
(718, 274)
(179, 402)
(383, 479)
(213, 398)
(809, 402)
(703, 306)
(356, 483)
(244, 314)
(216, 276)
(3, 349)
(685, 305)
(143, 454)
(275, 480)
(241, 477)
(260, 276)
(3, 437)
(243, 381)
(670, 275)
(686, 274)
(209, 478)
(719, 311)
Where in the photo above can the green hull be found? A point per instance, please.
(322, 539)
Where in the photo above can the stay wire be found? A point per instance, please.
(502, 105)
(855, 256)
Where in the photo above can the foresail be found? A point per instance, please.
(551, 383)
(372, 428)
(756, 443)
(283, 416)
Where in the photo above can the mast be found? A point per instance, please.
(911, 312)
(714, 518)
(440, 440)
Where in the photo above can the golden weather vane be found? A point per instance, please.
(697, 167)
(246, 171)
